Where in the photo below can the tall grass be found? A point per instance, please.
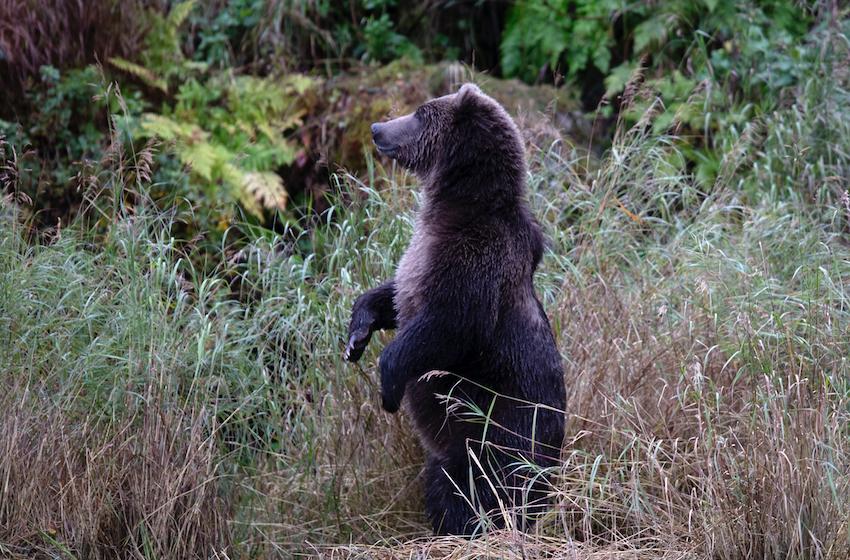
(149, 410)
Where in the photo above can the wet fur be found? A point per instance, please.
(463, 302)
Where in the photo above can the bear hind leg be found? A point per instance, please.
(450, 512)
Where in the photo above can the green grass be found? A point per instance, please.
(151, 410)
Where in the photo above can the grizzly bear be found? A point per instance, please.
(474, 357)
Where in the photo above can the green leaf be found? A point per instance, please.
(179, 13)
(166, 128)
(653, 32)
(205, 159)
(602, 58)
(147, 76)
(616, 81)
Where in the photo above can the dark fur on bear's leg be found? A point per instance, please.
(448, 511)
(453, 514)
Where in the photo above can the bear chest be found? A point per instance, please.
(412, 274)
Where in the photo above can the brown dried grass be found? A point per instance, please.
(104, 488)
(64, 33)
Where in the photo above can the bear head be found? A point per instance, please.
(451, 140)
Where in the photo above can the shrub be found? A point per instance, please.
(725, 41)
(228, 130)
(558, 36)
(62, 142)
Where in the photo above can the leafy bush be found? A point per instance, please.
(706, 70)
(728, 89)
(381, 43)
(162, 59)
(225, 32)
(338, 35)
(721, 38)
(230, 132)
(558, 36)
(64, 135)
(227, 129)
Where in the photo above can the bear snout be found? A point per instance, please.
(392, 136)
(383, 140)
(377, 135)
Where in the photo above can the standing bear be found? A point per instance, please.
(474, 354)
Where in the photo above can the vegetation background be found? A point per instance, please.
(190, 204)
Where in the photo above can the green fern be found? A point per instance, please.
(230, 132)
(178, 15)
(146, 75)
(652, 34)
(564, 35)
(162, 59)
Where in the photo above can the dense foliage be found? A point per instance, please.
(214, 83)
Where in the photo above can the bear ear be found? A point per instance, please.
(467, 92)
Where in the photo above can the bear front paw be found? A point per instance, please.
(392, 386)
(391, 395)
(390, 405)
(356, 345)
(359, 331)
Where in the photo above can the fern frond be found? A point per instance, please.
(267, 189)
(236, 179)
(179, 13)
(205, 158)
(653, 33)
(169, 129)
(144, 74)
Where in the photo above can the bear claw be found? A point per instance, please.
(356, 345)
